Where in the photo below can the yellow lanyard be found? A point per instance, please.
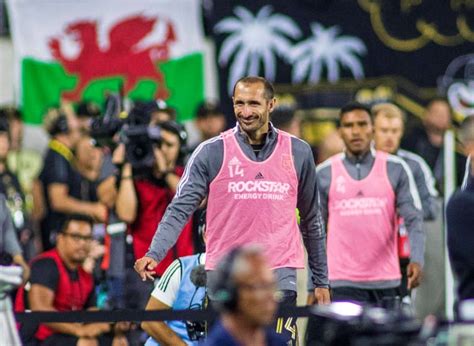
(61, 149)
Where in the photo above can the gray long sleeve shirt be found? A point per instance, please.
(425, 182)
(8, 238)
(203, 167)
(407, 201)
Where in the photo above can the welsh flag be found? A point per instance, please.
(82, 49)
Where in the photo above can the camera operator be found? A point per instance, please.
(145, 192)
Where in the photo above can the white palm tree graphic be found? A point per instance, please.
(254, 40)
(325, 49)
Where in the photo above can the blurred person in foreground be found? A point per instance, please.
(246, 291)
(460, 221)
(60, 283)
(389, 127)
(254, 177)
(60, 179)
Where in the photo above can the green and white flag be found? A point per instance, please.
(82, 49)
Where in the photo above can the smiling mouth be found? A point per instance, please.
(248, 121)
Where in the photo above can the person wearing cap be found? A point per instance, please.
(160, 112)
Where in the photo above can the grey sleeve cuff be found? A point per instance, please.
(417, 247)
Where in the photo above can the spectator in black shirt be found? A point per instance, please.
(60, 179)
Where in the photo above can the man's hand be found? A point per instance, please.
(414, 275)
(118, 156)
(99, 212)
(145, 267)
(92, 330)
(322, 295)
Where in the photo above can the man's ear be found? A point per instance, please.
(272, 104)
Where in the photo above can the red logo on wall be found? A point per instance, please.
(123, 57)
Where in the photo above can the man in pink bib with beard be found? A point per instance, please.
(254, 177)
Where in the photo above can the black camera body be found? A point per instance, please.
(196, 330)
(139, 142)
(104, 128)
(133, 131)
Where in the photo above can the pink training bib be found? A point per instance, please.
(362, 232)
(254, 203)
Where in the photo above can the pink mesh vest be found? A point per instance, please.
(254, 203)
(362, 230)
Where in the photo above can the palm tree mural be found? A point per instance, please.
(253, 41)
(326, 49)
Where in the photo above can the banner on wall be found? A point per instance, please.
(75, 50)
(314, 42)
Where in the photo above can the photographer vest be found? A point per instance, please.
(362, 225)
(254, 203)
(70, 295)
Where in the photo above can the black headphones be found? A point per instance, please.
(180, 131)
(59, 126)
(226, 295)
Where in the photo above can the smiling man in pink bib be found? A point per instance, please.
(255, 176)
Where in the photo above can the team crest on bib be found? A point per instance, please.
(341, 184)
(286, 162)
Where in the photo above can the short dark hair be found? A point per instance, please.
(176, 129)
(354, 106)
(282, 116)
(208, 109)
(87, 109)
(76, 217)
(4, 125)
(269, 92)
(160, 105)
(10, 113)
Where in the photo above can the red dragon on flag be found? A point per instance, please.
(123, 57)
